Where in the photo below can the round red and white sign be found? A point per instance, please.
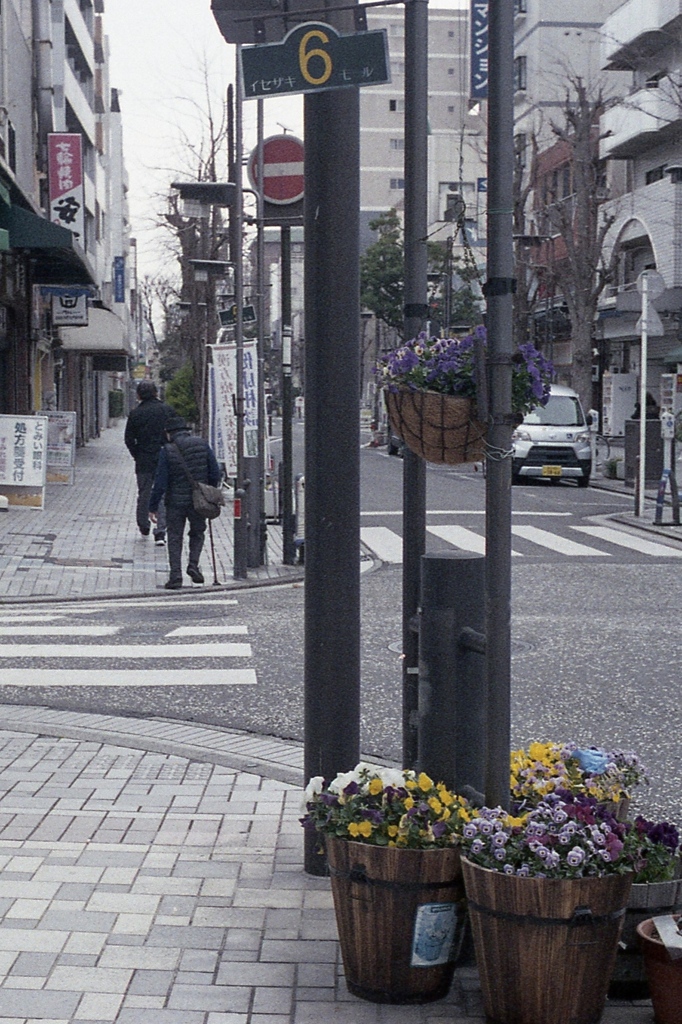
(282, 169)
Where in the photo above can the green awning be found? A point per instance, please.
(674, 356)
(57, 257)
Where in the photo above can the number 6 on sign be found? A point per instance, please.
(304, 57)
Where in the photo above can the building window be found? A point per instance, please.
(11, 146)
(655, 174)
(520, 73)
(451, 33)
(451, 110)
(397, 183)
(398, 105)
(397, 143)
(520, 6)
(451, 71)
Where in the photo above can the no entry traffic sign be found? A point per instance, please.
(282, 169)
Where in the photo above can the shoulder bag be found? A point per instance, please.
(206, 499)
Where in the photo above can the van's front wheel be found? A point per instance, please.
(583, 481)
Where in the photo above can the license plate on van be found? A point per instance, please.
(551, 470)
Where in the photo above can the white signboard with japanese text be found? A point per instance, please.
(23, 459)
(222, 396)
(61, 447)
(69, 310)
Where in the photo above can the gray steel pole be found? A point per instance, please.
(499, 294)
(237, 213)
(288, 539)
(416, 312)
(332, 439)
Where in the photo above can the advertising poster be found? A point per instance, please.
(23, 459)
(222, 395)
(61, 447)
(67, 201)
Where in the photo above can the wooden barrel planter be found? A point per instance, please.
(545, 947)
(438, 428)
(400, 915)
(647, 900)
(664, 975)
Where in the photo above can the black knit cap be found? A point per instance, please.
(174, 424)
(147, 389)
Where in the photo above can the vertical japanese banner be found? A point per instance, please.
(23, 459)
(119, 279)
(222, 401)
(67, 202)
(479, 50)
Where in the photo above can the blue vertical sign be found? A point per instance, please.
(479, 49)
(119, 279)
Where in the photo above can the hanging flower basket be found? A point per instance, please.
(439, 428)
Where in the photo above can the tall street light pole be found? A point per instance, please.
(499, 295)
(240, 557)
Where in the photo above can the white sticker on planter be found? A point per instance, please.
(666, 926)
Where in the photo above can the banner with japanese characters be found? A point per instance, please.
(23, 459)
(223, 403)
(479, 50)
(67, 201)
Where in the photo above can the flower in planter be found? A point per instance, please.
(447, 366)
(656, 856)
(385, 807)
(573, 837)
(608, 776)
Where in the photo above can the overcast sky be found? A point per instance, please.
(163, 54)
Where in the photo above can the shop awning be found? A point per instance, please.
(105, 332)
(58, 259)
(674, 356)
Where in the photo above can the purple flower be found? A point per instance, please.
(575, 857)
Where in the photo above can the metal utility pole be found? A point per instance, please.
(332, 438)
(499, 295)
(415, 312)
(236, 222)
(288, 539)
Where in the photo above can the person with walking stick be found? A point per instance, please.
(183, 463)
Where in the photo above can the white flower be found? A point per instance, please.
(314, 788)
(344, 779)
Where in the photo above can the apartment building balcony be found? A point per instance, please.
(636, 30)
(646, 117)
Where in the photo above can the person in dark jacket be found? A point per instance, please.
(173, 484)
(144, 437)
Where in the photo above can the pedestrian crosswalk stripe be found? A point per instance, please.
(209, 631)
(462, 538)
(630, 541)
(97, 607)
(384, 543)
(128, 677)
(125, 651)
(562, 545)
(49, 630)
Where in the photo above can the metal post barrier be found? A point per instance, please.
(452, 675)
(299, 518)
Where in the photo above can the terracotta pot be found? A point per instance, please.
(646, 900)
(545, 947)
(663, 974)
(400, 916)
(438, 428)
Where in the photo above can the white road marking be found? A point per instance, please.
(561, 545)
(209, 631)
(49, 630)
(384, 543)
(97, 607)
(125, 651)
(628, 540)
(129, 677)
(462, 538)
(466, 512)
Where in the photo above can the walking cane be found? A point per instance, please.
(216, 583)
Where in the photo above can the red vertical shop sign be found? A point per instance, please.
(67, 201)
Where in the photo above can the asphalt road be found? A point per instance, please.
(596, 637)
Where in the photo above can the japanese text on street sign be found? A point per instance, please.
(23, 449)
(313, 57)
(479, 49)
(222, 400)
(65, 163)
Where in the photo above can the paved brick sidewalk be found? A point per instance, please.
(85, 542)
(138, 886)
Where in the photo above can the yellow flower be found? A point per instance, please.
(446, 797)
(446, 814)
(435, 804)
(375, 787)
(410, 784)
(363, 828)
(463, 814)
(409, 802)
(425, 783)
(392, 830)
(511, 821)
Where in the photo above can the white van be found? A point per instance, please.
(553, 441)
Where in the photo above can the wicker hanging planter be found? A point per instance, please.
(439, 428)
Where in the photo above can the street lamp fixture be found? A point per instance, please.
(199, 196)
